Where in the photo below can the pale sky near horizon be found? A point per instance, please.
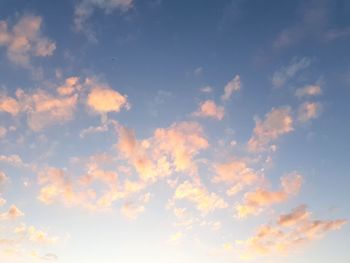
(151, 131)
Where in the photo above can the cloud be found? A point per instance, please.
(180, 143)
(209, 109)
(296, 216)
(56, 185)
(168, 150)
(25, 40)
(254, 202)
(206, 89)
(12, 214)
(85, 9)
(291, 231)
(3, 132)
(45, 109)
(198, 71)
(9, 105)
(277, 122)
(312, 21)
(103, 99)
(34, 235)
(70, 86)
(204, 201)
(232, 86)
(14, 160)
(3, 178)
(235, 173)
(284, 74)
(42, 108)
(308, 111)
(136, 153)
(132, 210)
(175, 238)
(308, 91)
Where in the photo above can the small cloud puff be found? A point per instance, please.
(209, 109)
(308, 111)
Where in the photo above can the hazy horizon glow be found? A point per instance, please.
(174, 131)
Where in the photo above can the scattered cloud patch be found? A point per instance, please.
(25, 40)
(209, 109)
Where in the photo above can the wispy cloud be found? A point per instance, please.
(284, 74)
(85, 9)
(231, 87)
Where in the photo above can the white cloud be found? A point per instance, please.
(206, 89)
(232, 86)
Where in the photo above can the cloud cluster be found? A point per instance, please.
(47, 107)
(203, 200)
(289, 232)
(254, 202)
(236, 174)
(25, 40)
(169, 149)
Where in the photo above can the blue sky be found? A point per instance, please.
(174, 131)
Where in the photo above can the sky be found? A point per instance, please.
(151, 131)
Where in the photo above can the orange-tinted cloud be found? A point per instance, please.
(254, 202)
(169, 149)
(290, 232)
(9, 105)
(25, 40)
(103, 99)
(12, 214)
(209, 109)
(277, 122)
(204, 200)
(235, 172)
